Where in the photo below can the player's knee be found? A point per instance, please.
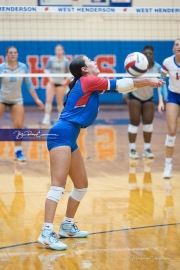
(133, 129)
(60, 108)
(55, 193)
(78, 193)
(148, 128)
(170, 141)
(48, 107)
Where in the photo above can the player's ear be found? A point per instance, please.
(84, 69)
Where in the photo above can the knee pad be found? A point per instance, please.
(132, 129)
(78, 194)
(148, 128)
(55, 193)
(60, 108)
(170, 141)
(48, 107)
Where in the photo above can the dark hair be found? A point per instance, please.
(149, 47)
(76, 70)
(8, 48)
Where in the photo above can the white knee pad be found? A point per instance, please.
(48, 107)
(60, 108)
(148, 128)
(170, 141)
(132, 129)
(55, 193)
(78, 194)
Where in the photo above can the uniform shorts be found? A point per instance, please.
(173, 97)
(66, 135)
(131, 96)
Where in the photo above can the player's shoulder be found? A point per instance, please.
(52, 58)
(169, 59)
(2, 66)
(157, 65)
(22, 65)
(65, 59)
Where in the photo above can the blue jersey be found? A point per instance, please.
(10, 87)
(83, 101)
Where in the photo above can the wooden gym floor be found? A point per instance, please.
(132, 214)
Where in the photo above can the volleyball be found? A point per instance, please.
(136, 64)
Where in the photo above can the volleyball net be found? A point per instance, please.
(105, 34)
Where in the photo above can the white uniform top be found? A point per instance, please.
(54, 65)
(170, 67)
(147, 92)
(10, 87)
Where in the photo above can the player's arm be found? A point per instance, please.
(32, 91)
(93, 83)
(160, 94)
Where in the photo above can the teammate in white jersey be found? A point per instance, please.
(56, 64)
(141, 104)
(171, 66)
(11, 95)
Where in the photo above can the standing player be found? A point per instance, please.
(81, 109)
(171, 66)
(141, 104)
(11, 95)
(56, 64)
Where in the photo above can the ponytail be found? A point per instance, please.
(71, 85)
(75, 68)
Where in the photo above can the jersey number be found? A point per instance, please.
(13, 79)
(177, 76)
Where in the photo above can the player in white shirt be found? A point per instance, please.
(141, 105)
(11, 94)
(56, 64)
(171, 66)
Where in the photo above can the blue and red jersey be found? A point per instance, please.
(83, 101)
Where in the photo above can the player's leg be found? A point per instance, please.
(78, 175)
(17, 115)
(172, 112)
(60, 159)
(2, 109)
(147, 119)
(50, 92)
(135, 107)
(60, 92)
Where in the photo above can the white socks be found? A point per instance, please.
(17, 148)
(146, 146)
(132, 146)
(168, 160)
(48, 226)
(68, 220)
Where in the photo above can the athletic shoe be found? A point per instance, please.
(19, 156)
(71, 230)
(148, 154)
(49, 239)
(46, 120)
(167, 171)
(133, 154)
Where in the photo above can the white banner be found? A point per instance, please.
(124, 10)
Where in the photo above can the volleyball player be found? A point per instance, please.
(171, 66)
(11, 95)
(56, 64)
(141, 104)
(81, 109)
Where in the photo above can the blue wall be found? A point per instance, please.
(119, 48)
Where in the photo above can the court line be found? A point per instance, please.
(109, 231)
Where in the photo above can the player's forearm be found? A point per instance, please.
(34, 94)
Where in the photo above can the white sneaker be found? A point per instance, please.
(148, 154)
(46, 120)
(71, 230)
(133, 154)
(167, 171)
(49, 239)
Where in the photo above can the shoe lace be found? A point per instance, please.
(75, 227)
(54, 235)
